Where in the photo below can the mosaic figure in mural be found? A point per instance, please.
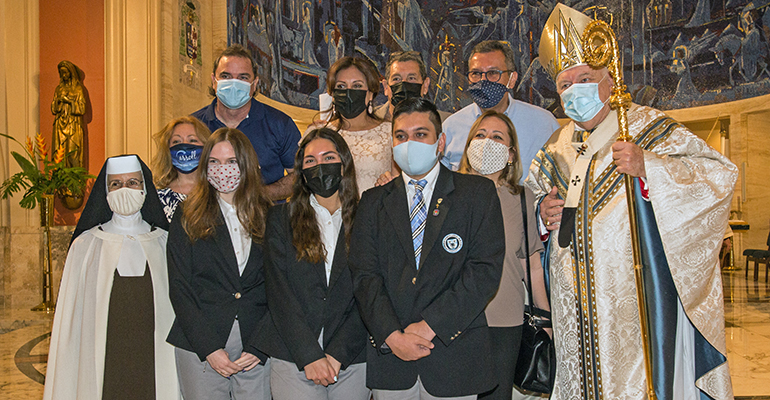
(726, 50)
(335, 44)
(685, 89)
(68, 108)
(444, 96)
(754, 51)
(725, 41)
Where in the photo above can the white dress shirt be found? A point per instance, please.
(427, 191)
(330, 225)
(238, 235)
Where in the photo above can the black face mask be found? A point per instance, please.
(350, 103)
(405, 90)
(323, 179)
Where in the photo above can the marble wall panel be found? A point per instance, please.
(179, 98)
(24, 273)
(22, 260)
(757, 184)
(4, 263)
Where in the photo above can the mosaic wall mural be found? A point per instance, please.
(677, 53)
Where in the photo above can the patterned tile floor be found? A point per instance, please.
(24, 340)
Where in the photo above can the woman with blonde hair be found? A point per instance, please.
(492, 151)
(354, 83)
(174, 169)
(216, 282)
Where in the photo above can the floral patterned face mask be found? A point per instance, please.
(224, 177)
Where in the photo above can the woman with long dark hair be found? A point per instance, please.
(315, 335)
(354, 82)
(215, 273)
(492, 151)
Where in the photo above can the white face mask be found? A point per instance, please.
(126, 201)
(487, 156)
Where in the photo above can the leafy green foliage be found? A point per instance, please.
(52, 178)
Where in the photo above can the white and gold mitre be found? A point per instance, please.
(560, 46)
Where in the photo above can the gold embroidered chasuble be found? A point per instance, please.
(593, 294)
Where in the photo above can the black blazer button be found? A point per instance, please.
(414, 280)
(237, 295)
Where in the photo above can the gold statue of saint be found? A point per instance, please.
(68, 107)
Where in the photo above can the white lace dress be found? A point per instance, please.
(372, 152)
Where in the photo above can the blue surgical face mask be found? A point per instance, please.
(233, 93)
(185, 157)
(582, 102)
(416, 158)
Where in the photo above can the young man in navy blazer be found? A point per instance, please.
(426, 256)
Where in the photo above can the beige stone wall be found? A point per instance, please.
(177, 98)
(21, 259)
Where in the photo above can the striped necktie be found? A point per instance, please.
(417, 216)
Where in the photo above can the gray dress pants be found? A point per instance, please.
(289, 383)
(416, 392)
(198, 381)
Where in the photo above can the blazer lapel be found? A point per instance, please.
(397, 207)
(438, 209)
(340, 260)
(250, 264)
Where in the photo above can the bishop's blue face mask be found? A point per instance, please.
(582, 102)
(185, 157)
(233, 93)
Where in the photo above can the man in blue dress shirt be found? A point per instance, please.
(491, 73)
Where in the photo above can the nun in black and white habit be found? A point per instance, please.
(113, 312)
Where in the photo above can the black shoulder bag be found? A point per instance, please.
(536, 364)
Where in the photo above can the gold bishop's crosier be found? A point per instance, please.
(600, 49)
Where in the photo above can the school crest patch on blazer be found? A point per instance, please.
(452, 243)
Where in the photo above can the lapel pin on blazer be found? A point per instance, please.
(438, 203)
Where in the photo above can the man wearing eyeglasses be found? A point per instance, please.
(491, 73)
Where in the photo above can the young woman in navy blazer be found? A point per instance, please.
(315, 336)
(216, 283)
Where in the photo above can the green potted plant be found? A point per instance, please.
(42, 177)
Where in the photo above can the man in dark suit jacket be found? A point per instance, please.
(426, 256)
